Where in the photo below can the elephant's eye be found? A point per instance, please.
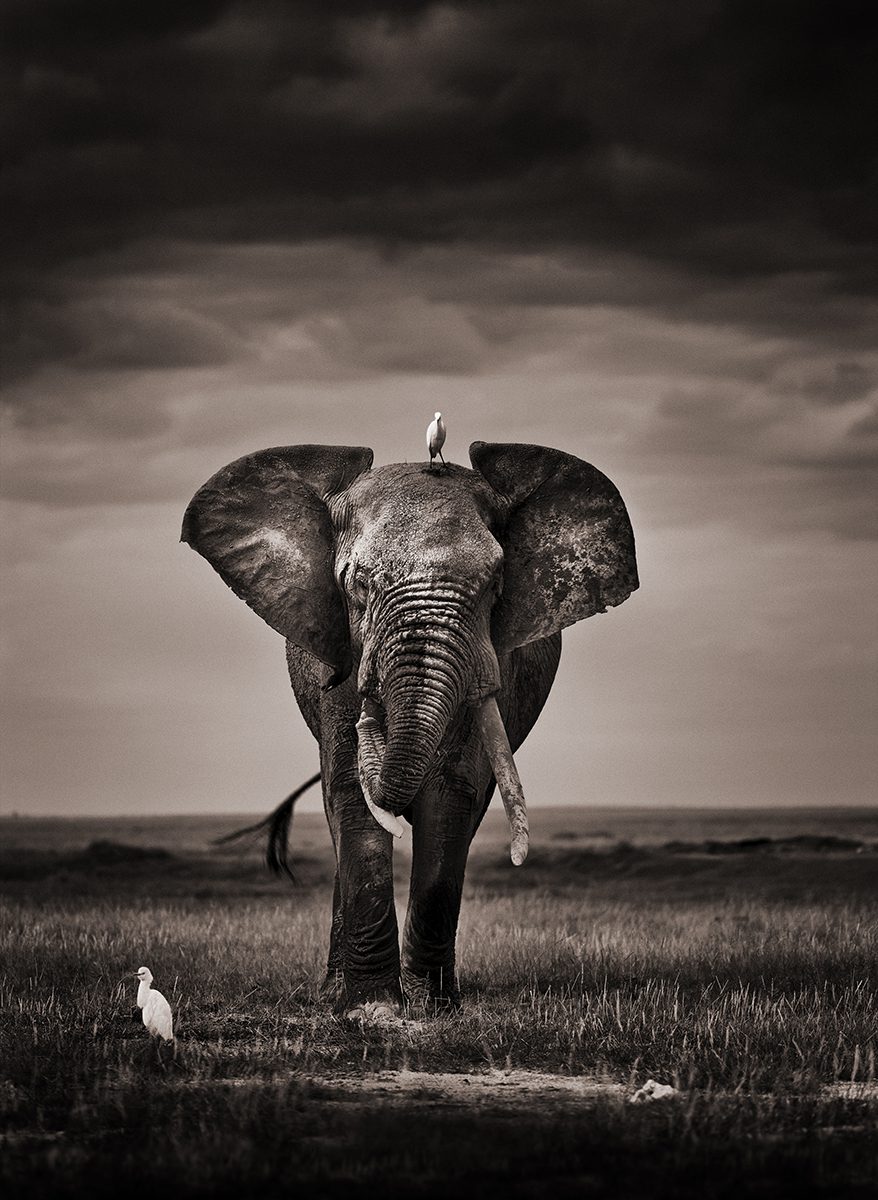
(358, 585)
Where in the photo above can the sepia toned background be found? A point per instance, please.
(641, 233)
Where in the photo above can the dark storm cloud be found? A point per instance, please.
(108, 333)
(408, 185)
(702, 132)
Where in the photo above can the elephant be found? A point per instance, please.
(422, 610)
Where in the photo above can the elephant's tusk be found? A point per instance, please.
(385, 819)
(499, 753)
(369, 735)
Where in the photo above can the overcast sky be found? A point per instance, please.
(641, 231)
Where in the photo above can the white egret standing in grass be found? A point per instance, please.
(436, 439)
(156, 1010)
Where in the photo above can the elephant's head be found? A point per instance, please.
(423, 580)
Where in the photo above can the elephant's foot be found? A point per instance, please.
(370, 1000)
(432, 991)
(385, 1013)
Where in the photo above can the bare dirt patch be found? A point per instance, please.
(490, 1089)
(493, 1089)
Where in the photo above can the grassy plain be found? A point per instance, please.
(734, 955)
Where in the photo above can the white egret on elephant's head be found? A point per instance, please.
(436, 438)
(156, 1011)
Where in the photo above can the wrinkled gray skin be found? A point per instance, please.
(408, 598)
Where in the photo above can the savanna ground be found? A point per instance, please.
(734, 955)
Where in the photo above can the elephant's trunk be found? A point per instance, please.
(421, 694)
(420, 662)
(425, 668)
(373, 759)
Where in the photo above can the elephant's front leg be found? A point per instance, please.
(443, 823)
(370, 937)
(364, 947)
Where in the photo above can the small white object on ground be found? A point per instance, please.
(436, 437)
(652, 1090)
(156, 1010)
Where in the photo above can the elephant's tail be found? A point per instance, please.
(277, 824)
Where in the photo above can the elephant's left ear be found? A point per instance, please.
(263, 525)
(568, 544)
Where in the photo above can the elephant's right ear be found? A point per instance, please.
(568, 546)
(262, 524)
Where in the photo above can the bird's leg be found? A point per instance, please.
(444, 463)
